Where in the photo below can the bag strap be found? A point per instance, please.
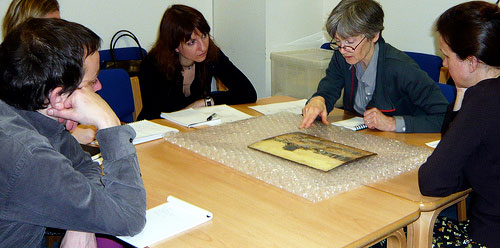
(120, 34)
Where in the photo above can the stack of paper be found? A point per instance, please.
(200, 116)
(355, 123)
(167, 220)
(147, 130)
(273, 108)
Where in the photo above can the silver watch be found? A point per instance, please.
(209, 101)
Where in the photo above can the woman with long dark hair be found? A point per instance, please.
(177, 72)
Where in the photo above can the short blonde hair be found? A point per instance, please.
(21, 10)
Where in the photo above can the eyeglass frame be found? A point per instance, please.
(334, 46)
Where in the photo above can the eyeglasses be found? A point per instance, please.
(335, 46)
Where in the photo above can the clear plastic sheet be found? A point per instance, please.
(228, 143)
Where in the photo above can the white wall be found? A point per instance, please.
(107, 17)
(291, 25)
(249, 30)
(239, 30)
(409, 24)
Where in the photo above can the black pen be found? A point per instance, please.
(211, 117)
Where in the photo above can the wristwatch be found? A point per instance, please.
(209, 101)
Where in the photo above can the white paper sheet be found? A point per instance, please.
(168, 219)
(433, 144)
(273, 108)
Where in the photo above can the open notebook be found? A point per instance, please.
(207, 116)
(166, 220)
(147, 130)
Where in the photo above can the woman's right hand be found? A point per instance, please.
(316, 106)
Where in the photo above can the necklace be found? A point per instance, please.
(187, 68)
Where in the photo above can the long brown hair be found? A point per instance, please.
(20, 10)
(177, 25)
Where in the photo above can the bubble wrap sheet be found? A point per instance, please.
(227, 144)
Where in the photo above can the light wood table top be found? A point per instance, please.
(251, 213)
(406, 186)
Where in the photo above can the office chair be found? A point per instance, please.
(117, 92)
(449, 91)
(429, 63)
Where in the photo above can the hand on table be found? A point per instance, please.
(314, 108)
(375, 119)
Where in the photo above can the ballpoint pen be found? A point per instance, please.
(211, 117)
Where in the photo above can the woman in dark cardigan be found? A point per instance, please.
(177, 72)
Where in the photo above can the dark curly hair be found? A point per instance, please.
(40, 55)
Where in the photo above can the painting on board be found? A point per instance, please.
(310, 150)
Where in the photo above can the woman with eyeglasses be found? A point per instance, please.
(467, 155)
(380, 82)
(177, 72)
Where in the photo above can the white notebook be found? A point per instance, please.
(355, 123)
(147, 130)
(166, 220)
(194, 117)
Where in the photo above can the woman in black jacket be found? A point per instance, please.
(177, 72)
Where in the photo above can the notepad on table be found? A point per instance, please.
(147, 130)
(168, 219)
(195, 117)
(355, 123)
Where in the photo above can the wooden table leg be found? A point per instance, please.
(419, 233)
(397, 239)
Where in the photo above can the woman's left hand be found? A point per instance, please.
(375, 119)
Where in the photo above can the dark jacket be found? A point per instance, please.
(402, 89)
(47, 180)
(468, 157)
(162, 95)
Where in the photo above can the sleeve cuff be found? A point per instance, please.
(116, 142)
(400, 124)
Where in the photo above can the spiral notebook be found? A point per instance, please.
(355, 123)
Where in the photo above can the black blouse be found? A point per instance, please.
(162, 95)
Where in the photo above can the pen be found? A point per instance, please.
(211, 117)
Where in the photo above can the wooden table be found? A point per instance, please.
(251, 213)
(406, 186)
